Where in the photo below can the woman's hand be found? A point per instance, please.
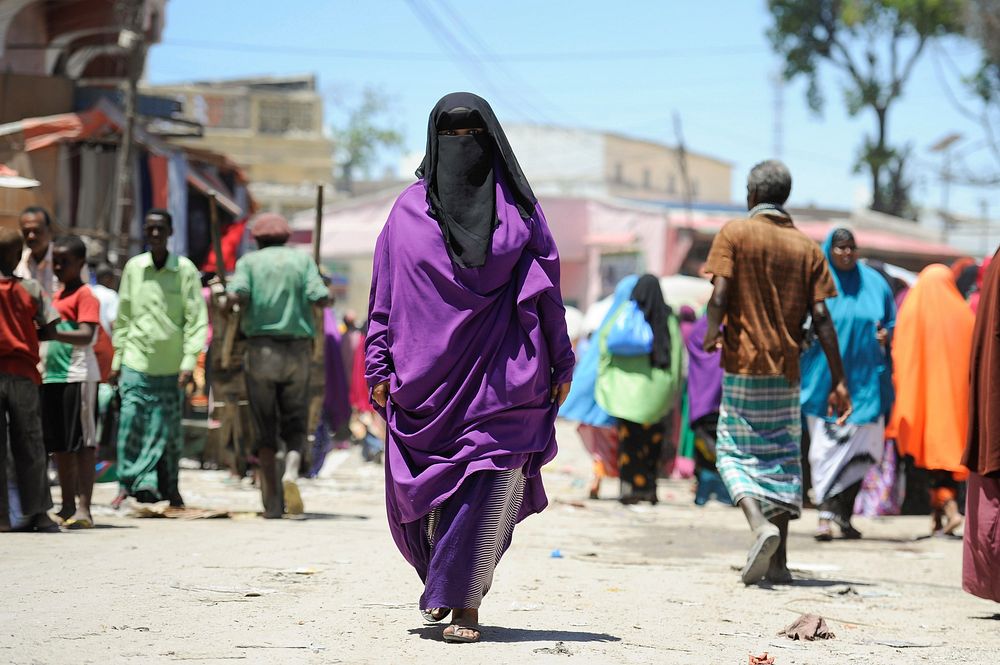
(380, 393)
(559, 393)
(882, 335)
(839, 403)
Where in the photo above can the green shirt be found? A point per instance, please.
(162, 319)
(279, 285)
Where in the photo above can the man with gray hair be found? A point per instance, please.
(769, 278)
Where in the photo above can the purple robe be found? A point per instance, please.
(336, 405)
(704, 374)
(470, 355)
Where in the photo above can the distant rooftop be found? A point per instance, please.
(278, 83)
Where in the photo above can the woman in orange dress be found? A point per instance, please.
(931, 351)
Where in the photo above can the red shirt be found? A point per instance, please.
(23, 309)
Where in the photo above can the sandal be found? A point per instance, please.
(430, 617)
(824, 534)
(850, 533)
(452, 634)
(83, 523)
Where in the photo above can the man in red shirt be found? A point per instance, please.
(23, 311)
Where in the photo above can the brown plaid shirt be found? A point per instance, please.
(776, 274)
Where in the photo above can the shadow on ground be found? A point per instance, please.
(500, 634)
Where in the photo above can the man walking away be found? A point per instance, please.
(277, 287)
(161, 328)
(769, 277)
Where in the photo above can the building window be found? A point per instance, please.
(281, 117)
(222, 111)
(671, 185)
(619, 175)
(647, 179)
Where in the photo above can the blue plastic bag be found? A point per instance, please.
(630, 334)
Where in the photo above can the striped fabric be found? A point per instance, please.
(464, 538)
(759, 442)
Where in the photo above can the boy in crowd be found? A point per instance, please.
(69, 384)
(23, 311)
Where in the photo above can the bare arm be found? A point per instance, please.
(82, 336)
(716, 312)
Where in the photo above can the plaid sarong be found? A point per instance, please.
(759, 442)
(149, 435)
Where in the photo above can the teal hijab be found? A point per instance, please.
(865, 302)
(580, 405)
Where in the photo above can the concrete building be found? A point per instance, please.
(271, 126)
(581, 162)
(52, 55)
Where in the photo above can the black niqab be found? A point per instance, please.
(460, 174)
(649, 298)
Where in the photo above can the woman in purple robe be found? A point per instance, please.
(467, 358)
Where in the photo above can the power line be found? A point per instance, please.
(387, 54)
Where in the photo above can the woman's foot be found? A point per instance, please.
(464, 626)
(595, 488)
(435, 614)
(81, 519)
(849, 532)
(824, 532)
(953, 518)
(119, 500)
(65, 513)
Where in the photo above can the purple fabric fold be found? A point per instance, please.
(336, 402)
(704, 374)
(470, 355)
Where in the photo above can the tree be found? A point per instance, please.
(361, 137)
(983, 26)
(875, 45)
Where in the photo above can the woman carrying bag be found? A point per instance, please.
(639, 376)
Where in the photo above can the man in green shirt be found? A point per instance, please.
(278, 287)
(161, 328)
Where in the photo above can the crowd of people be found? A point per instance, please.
(116, 363)
(831, 372)
(807, 377)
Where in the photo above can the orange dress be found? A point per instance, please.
(931, 350)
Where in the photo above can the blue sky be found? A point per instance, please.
(625, 67)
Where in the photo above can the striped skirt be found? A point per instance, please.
(759, 442)
(457, 546)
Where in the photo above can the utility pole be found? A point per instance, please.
(682, 164)
(779, 113)
(133, 40)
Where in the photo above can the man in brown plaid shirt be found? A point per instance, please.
(768, 278)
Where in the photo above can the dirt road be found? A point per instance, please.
(585, 582)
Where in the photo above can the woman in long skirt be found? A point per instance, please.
(931, 352)
(639, 389)
(864, 314)
(598, 429)
(981, 560)
(467, 357)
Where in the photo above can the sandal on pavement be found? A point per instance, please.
(293, 498)
(82, 523)
(430, 617)
(767, 538)
(453, 634)
(824, 534)
(850, 533)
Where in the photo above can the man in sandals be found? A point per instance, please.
(769, 278)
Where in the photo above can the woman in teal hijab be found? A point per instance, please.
(840, 455)
(639, 390)
(597, 429)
